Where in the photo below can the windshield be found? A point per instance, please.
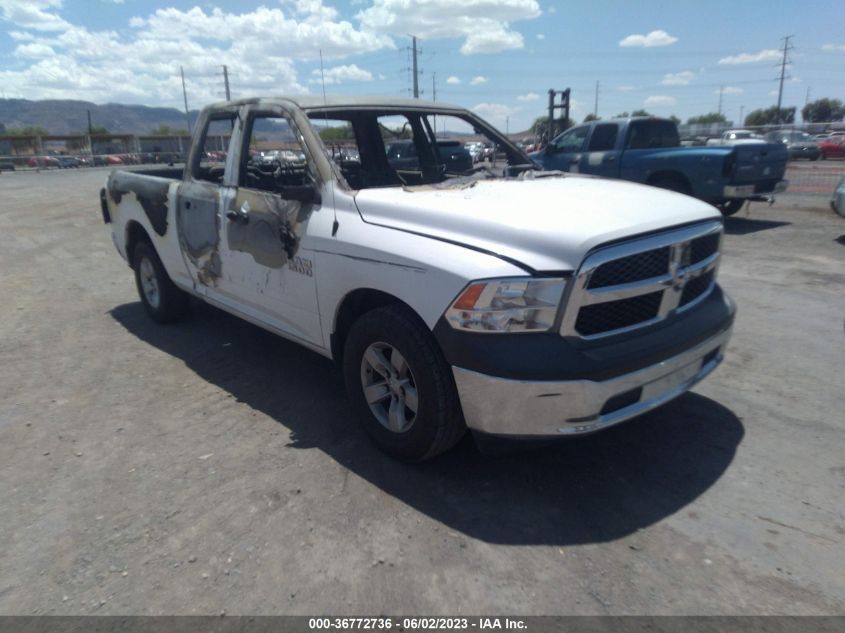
(394, 148)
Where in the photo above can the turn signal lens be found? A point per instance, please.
(507, 305)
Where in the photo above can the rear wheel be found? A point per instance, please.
(729, 207)
(162, 300)
(400, 385)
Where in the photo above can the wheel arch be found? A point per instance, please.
(135, 233)
(354, 304)
(670, 174)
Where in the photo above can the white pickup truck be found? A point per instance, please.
(506, 300)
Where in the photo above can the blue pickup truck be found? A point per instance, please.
(648, 150)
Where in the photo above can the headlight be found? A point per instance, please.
(507, 305)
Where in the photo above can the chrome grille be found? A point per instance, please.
(637, 283)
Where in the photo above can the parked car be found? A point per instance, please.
(736, 137)
(68, 162)
(402, 155)
(647, 150)
(7, 164)
(832, 147)
(514, 302)
(837, 202)
(43, 162)
(798, 144)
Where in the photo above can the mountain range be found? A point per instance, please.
(65, 116)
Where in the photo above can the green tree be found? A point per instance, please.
(98, 129)
(622, 115)
(591, 117)
(166, 130)
(341, 133)
(641, 113)
(823, 110)
(710, 117)
(26, 143)
(770, 116)
(675, 119)
(540, 127)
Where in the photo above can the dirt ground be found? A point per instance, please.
(209, 466)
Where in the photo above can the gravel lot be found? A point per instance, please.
(209, 466)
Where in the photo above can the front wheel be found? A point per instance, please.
(400, 385)
(162, 300)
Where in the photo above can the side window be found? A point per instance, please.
(273, 157)
(400, 147)
(215, 146)
(338, 136)
(604, 137)
(571, 140)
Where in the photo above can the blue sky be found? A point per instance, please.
(497, 57)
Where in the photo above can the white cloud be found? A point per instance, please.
(678, 79)
(769, 54)
(657, 101)
(496, 113)
(61, 60)
(834, 48)
(113, 1)
(552, 10)
(540, 36)
(531, 96)
(35, 50)
(730, 90)
(341, 74)
(33, 14)
(655, 38)
(476, 81)
(484, 25)
(627, 88)
(453, 81)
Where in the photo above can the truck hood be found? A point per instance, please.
(545, 223)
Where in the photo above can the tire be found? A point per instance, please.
(672, 184)
(419, 376)
(162, 300)
(729, 207)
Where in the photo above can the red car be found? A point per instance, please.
(832, 147)
(43, 162)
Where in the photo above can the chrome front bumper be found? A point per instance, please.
(501, 406)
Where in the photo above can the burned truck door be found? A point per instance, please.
(266, 265)
(201, 197)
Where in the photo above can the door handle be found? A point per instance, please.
(241, 215)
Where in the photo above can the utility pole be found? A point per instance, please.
(721, 90)
(185, 96)
(596, 107)
(434, 98)
(416, 78)
(507, 125)
(786, 48)
(90, 127)
(807, 98)
(741, 122)
(226, 82)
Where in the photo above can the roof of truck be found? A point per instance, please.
(335, 102)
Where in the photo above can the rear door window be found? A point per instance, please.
(603, 138)
(652, 134)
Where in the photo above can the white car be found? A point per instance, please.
(737, 137)
(511, 302)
